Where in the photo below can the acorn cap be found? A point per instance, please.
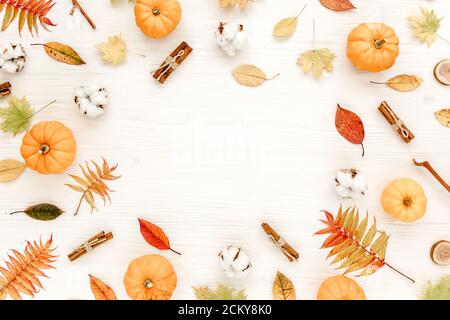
(442, 72)
(440, 253)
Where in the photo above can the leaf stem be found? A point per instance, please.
(399, 272)
(11, 213)
(48, 104)
(376, 82)
(363, 151)
(443, 39)
(303, 9)
(273, 77)
(175, 251)
(79, 202)
(314, 34)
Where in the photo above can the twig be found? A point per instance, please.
(48, 104)
(77, 5)
(428, 166)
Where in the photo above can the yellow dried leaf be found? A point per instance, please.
(250, 75)
(282, 288)
(231, 3)
(10, 169)
(316, 62)
(100, 290)
(114, 51)
(285, 27)
(63, 53)
(443, 117)
(426, 25)
(404, 82)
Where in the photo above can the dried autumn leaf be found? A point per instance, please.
(155, 236)
(10, 169)
(23, 269)
(426, 26)
(350, 126)
(62, 53)
(287, 26)
(443, 117)
(100, 290)
(220, 293)
(403, 82)
(94, 182)
(316, 62)
(250, 75)
(16, 116)
(282, 288)
(42, 211)
(352, 245)
(114, 51)
(337, 5)
(231, 3)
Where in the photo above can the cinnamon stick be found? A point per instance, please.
(286, 249)
(396, 123)
(5, 89)
(90, 244)
(428, 166)
(76, 4)
(172, 62)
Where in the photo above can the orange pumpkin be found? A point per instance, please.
(157, 18)
(340, 288)
(404, 200)
(372, 47)
(150, 277)
(49, 147)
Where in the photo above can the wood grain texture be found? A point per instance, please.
(208, 160)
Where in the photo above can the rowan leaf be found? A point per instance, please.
(350, 126)
(16, 116)
(101, 290)
(337, 5)
(154, 235)
(222, 292)
(282, 288)
(62, 52)
(316, 62)
(10, 169)
(250, 75)
(114, 51)
(443, 117)
(425, 25)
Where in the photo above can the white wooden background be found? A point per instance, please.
(209, 160)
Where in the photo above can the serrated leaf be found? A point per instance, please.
(443, 117)
(231, 3)
(10, 169)
(114, 51)
(425, 26)
(62, 53)
(316, 62)
(43, 212)
(101, 290)
(350, 126)
(282, 288)
(249, 75)
(337, 5)
(438, 291)
(222, 292)
(16, 116)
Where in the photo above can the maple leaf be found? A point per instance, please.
(114, 51)
(316, 61)
(426, 26)
(220, 293)
(16, 116)
(231, 3)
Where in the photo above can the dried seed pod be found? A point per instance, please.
(440, 253)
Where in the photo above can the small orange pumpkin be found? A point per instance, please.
(150, 277)
(49, 147)
(372, 47)
(157, 18)
(340, 288)
(404, 199)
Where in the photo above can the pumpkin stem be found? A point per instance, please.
(379, 43)
(44, 148)
(407, 202)
(148, 283)
(156, 11)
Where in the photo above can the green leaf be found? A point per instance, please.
(220, 293)
(439, 291)
(425, 26)
(43, 212)
(16, 116)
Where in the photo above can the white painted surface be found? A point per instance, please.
(209, 160)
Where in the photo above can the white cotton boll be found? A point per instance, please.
(91, 100)
(84, 105)
(231, 37)
(344, 192)
(99, 98)
(350, 183)
(359, 183)
(234, 262)
(90, 89)
(344, 178)
(12, 57)
(79, 92)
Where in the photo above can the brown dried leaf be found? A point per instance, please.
(100, 290)
(282, 288)
(443, 117)
(403, 82)
(62, 53)
(337, 5)
(350, 126)
(10, 169)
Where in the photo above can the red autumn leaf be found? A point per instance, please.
(101, 290)
(350, 126)
(155, 236)
(337, 5)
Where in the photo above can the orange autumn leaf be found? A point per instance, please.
(350, 126)
(154, 235)
(337, 5)
(101, 290)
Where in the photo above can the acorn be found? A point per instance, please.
(440, 253)
(442, 72)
